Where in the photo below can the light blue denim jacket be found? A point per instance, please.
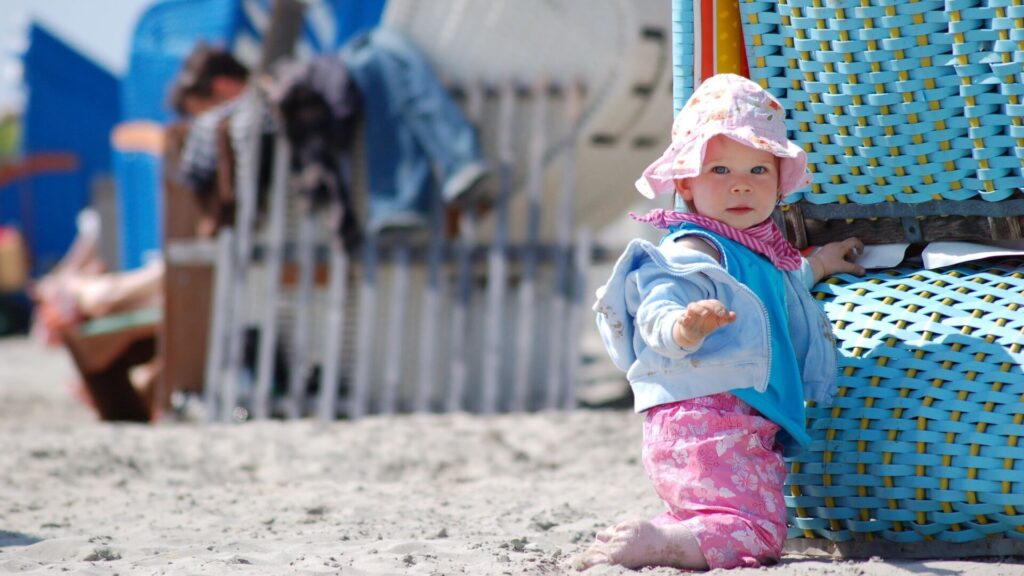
(651, 285)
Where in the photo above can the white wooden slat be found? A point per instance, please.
(458, 368)
(274, 260)
(559, 320)
(525, 337)
(366, 331)
(337, 309)
(496, 260)
(333, 331)
(582, 261)
(213, 375)
(303, 305)
(247, 183)
(561, 263)
(396, 333)
(430, 312)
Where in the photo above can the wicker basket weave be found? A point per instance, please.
(904, 101)
(897, 104)
(926, 436)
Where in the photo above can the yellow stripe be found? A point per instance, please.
(729, 38)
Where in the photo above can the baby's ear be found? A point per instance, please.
(683, 189)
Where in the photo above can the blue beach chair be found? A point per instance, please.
(911, 115)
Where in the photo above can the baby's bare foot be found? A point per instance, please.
(639, 543)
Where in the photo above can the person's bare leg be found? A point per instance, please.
(120, 292)
(639, 543)
(81, 260)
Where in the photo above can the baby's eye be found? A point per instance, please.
(759, 170)
(719, 170)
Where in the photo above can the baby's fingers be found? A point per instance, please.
(700, 319)
(710, 314)
(850, 268)
(709, 306)
(852, 249)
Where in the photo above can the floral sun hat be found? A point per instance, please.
(732, 106)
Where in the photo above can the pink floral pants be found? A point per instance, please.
(714, 462)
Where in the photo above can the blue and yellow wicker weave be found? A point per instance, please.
(912, 114)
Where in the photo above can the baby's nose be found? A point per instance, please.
(741, 185)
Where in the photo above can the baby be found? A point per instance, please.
(719, 336)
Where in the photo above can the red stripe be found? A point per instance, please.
(744, 66)
(707, 39)
(37, 164)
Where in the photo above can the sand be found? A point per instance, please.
(437, 494)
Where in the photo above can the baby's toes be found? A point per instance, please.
(606, 534)
(594, 556)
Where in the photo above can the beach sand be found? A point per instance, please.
(437, 494)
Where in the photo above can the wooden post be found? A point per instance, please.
(284, 29)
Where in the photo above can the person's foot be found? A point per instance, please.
(638, 543)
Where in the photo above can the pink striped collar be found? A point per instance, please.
(764, 238)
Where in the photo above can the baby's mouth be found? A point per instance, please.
(739, 209)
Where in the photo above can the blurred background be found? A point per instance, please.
(83, 98)
(70, 72)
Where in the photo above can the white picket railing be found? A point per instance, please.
(485, 320)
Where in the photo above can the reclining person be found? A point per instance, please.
(80, 288)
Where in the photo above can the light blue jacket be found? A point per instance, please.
(651, 285)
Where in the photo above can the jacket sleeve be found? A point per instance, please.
(663, 299)
(806, 273)
(638, 304)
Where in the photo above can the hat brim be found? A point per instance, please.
(683, 159)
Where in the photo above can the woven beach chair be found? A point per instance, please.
(911, 115)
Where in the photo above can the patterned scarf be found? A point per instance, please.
(765, 238)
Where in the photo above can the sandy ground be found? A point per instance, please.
(452, 494)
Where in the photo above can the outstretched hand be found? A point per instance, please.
(700, 319)
(837, 257)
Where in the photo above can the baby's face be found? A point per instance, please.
(737, 185)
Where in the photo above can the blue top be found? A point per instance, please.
(649, 288)
(782, 400)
